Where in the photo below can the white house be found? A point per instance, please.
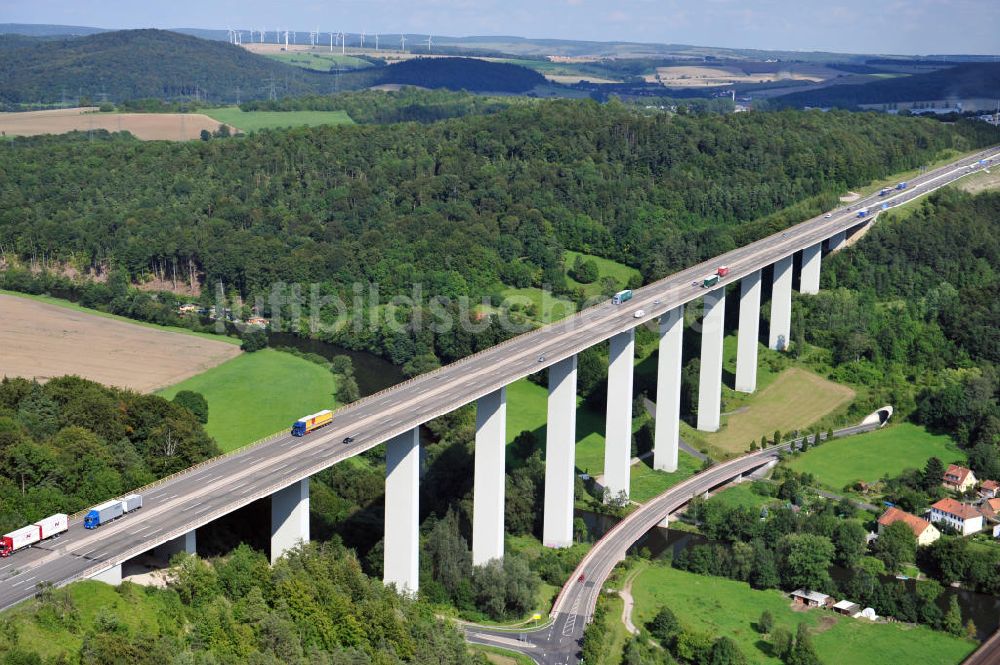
(962, 517)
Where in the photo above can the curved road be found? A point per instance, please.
(208, 491)
(559, 642)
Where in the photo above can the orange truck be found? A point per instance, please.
(307, 424)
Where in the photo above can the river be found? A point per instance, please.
(371, 372)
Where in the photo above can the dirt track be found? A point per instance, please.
(146, 126)
(42, 341)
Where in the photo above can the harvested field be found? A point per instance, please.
(42, 341)
(700, 76)
(145, 126)
(794, 400)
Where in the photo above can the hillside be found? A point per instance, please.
(132, 64)
(966, 80)
(451, 73)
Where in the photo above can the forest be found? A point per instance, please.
(72, 443)
(313, 607)
(382, 107)
(911, 311)
(465, 207)
(974, 79)
(132, 64)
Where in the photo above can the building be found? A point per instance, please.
(847, 608)
(958, 478)
(962, 517)
(925, 532)
(990, 489)
(811, 598)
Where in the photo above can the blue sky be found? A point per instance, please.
(866, 26)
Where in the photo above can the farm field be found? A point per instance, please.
(145, 126)
(320, 61)
(682, 76)
(722, 606)
(42, 340)
(258, 394)
(868, 457)
(254, 120)
(794, 399)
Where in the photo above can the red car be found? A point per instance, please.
(581, 578)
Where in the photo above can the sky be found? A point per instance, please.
(848, 26)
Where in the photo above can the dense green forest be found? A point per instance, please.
(313, 607)
(912, 312)
(131, 64)
(456, 74)
(979, 79)
(382, 107)
(464, 207)
(72, 443)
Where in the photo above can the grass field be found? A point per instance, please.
(794, 399)
(721, 606)
(647, 483)
(320, 62)
(258, 394)
(42, 340)
(136, 612)
(254, 120)
(742, 495)
(868, 457)
(619, 272)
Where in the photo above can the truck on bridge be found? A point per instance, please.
(863, 212)
(35, 533)
(901, 185)
(312, 422)
(111, 510)
(622, 296)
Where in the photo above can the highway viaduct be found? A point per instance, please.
(280, 467)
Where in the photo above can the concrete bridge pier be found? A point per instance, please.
(489, 479)
(746, 343)
(837, 241)
(710, 378)
(560, 455)
(781, 305)
(289, 518)
(618, 423)
(112, 575)
(184, 543)
(809, 276)
(402, 512)
(668, 390)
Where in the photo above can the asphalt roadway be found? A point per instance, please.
(560, 641)
(206, 492)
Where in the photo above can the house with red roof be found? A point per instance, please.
(925, 532)
(990, 508)
(990, 489)
(958, 478)
(962, 517)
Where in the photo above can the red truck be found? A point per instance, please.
(29, 535)
(722, 271)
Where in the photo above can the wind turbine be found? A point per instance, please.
(331, 42)
(376, 42)
(428, 43)
(362, 39)
(286, 40)
(402, 43)
(343, 43)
